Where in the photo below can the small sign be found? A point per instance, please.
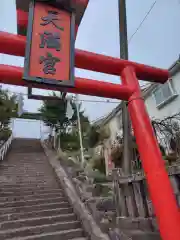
(49, 57)
(45, 97)
(69, 110)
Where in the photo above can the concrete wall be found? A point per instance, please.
(28, 128)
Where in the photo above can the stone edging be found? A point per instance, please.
(86, 218)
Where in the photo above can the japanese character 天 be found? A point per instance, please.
(51, 40)
(52, 17)
(49, 63)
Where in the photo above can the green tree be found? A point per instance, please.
(8, 108)
(54, 115)
(93, 136)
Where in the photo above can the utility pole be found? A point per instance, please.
(59, 140)
(125, 114)
(80, 131)
(127, 200)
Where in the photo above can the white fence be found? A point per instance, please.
(4, 148)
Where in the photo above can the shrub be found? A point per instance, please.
(99, 164)
(93, 137)
(5, 134)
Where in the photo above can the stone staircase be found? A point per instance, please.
(32, 203)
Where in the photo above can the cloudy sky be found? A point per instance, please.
(155, 43)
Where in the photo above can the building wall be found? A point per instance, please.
(115, 124)
(168, 109)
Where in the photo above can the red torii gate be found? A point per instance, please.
(160, 189)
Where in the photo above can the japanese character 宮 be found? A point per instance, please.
(49, 63)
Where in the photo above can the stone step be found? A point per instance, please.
(19, 162)
(33, 208)
(22, 160)
(21, 175)
(24, 192)
(32, 202)
(33, 214)
(27, 184)
(32, 181)
(28, 162)
(48, 228)
(27, 188)
(27, 180)
(27, 175)
(27, 166)
(30, 222)
(25, 172)
(142, 235)
(27, 157)
(74, 234)
(23, 197)
(22, 164)
(37, 170)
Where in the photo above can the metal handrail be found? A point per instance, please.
(4, 148)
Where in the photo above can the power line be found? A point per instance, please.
(143, 20)
(130, 39)
(84, 100)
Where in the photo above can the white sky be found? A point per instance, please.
(156, 43)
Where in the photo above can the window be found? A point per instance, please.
(164, 93)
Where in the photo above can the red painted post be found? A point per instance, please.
(22, 18)
(160, 189)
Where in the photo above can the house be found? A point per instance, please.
(164, 100)
(161, 101)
